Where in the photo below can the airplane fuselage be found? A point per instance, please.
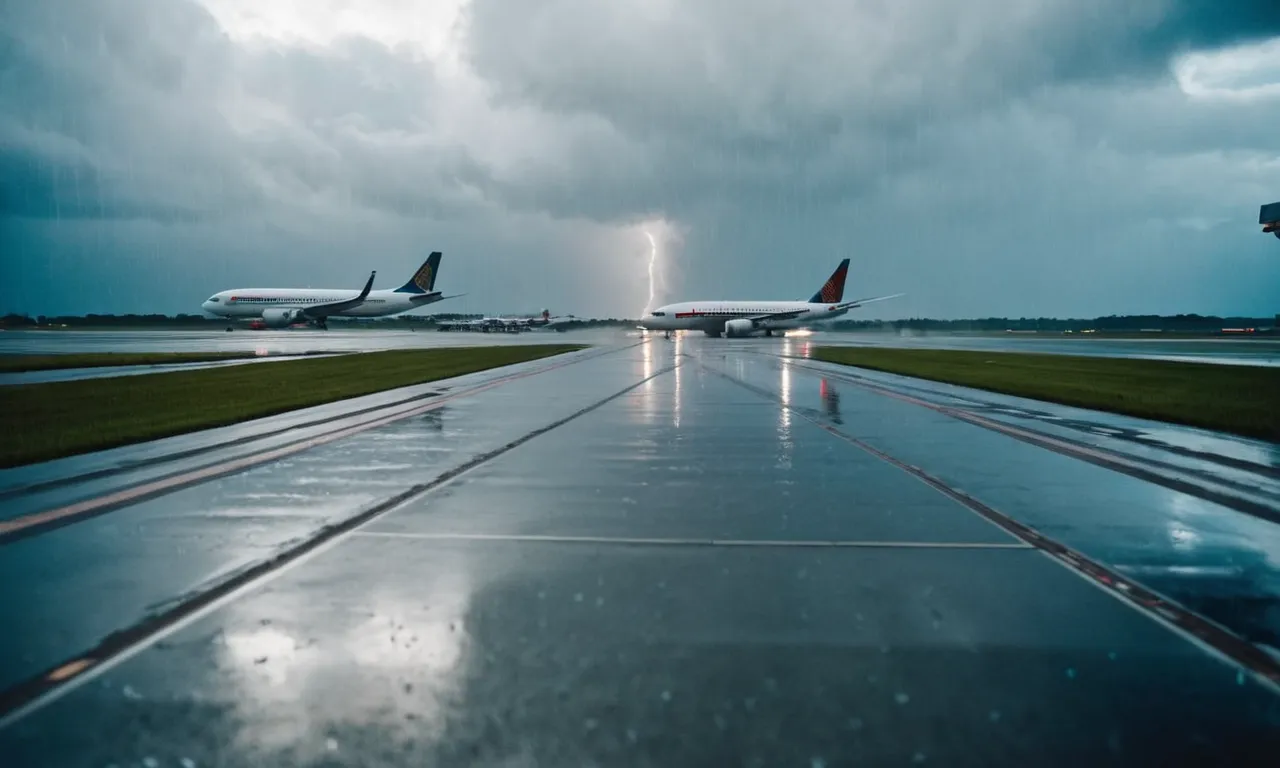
(711, 316)
(250, 302)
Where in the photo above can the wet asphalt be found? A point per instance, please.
(688, 552)
(1225, 351)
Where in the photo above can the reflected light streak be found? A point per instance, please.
(785, 444)
(644, 398)
(284, 683)
(675, 409)
(646, 355)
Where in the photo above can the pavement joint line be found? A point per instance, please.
(1097, 456)
(1208, 635)
(36, 523)
(49, 685)
(694, 542)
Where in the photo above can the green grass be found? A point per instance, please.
(1239, 399)
(48, 421)
(23, 363)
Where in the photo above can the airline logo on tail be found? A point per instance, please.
(423, 277)
(424, 280)
(832, 290)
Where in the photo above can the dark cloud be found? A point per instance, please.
(990, 157)
(1183, 25)
(750, 101)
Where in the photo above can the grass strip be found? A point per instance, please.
(65, 418)
(1239, 399)
(25, 363)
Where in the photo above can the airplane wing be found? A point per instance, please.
(432, 298)
(790, 314)
(318, 311)
(860, 302)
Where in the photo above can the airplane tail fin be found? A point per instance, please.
(424, 280)
(832, 291)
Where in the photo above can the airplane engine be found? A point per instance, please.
(280, 318)
(738, 328)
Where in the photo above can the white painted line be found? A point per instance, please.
(685, 542)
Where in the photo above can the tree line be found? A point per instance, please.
(1187, 323)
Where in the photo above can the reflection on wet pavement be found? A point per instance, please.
(693, 573)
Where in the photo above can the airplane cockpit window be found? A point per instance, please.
(214, 300)
(659, 314)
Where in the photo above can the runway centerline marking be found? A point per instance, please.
(691, 542)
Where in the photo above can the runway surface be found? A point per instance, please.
(101, 372)
(1226, 351)
(284, 342)
(688, 552)
(1222, 351)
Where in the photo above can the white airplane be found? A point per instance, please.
(507, 324)
(282, 307)
(544, 320)
(748, 318)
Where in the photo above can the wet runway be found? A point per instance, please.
(283, 342)
(690, 552)
(1218, 351)
(73, 374)
(1226, 351)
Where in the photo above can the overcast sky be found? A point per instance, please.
(990, 157)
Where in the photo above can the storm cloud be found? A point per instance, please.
(998, 157)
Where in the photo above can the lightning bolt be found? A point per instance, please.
(653, 260)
